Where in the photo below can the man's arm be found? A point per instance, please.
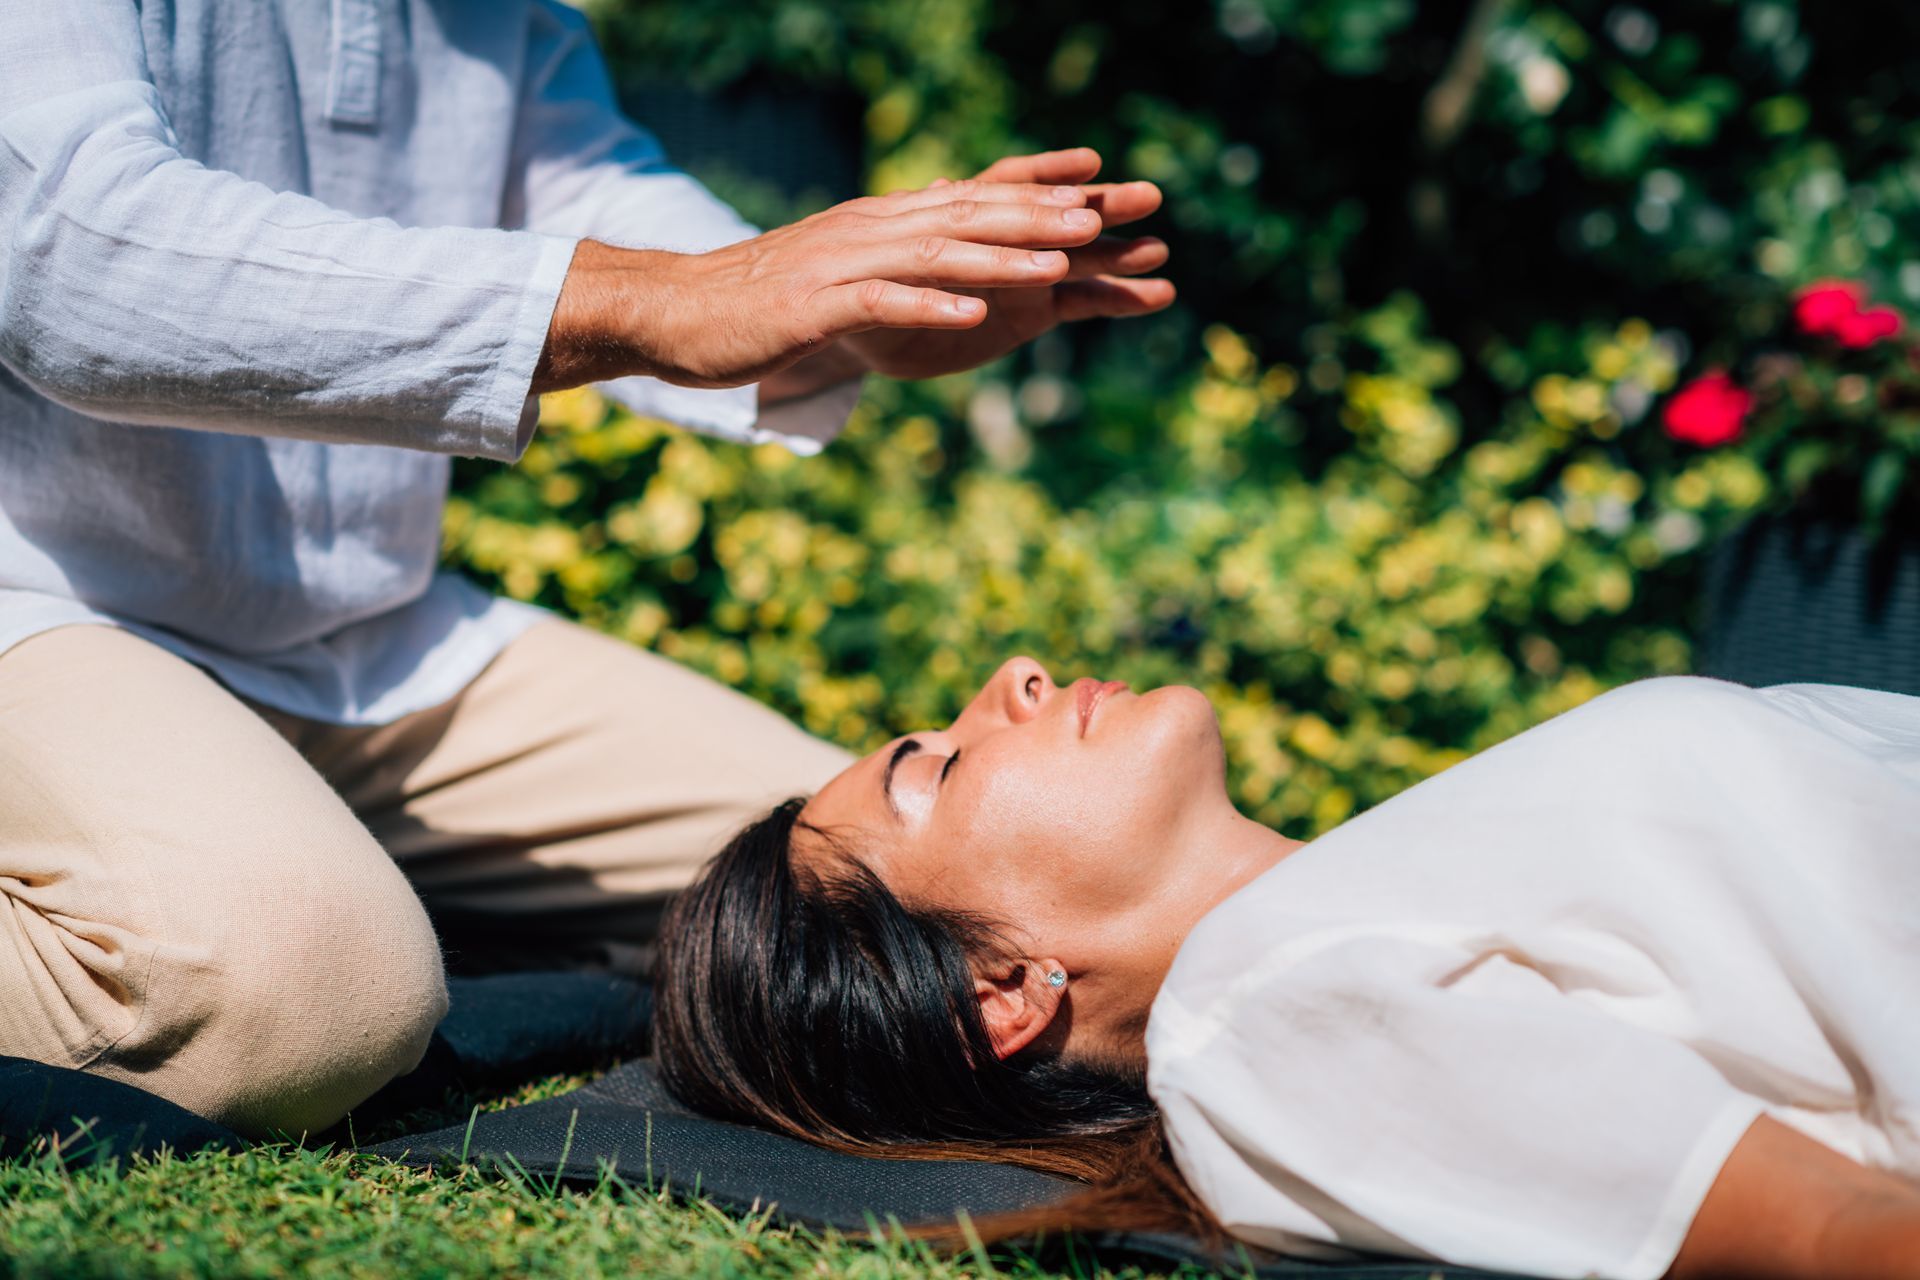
(581, 168)
(140, 286)
(1784, 1207)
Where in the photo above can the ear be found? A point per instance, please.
(1017, 1002)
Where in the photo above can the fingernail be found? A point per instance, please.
(1064, 195)
(960, 306)
(1082, 219)
(1044, 261)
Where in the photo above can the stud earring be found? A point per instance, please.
(1056, 978)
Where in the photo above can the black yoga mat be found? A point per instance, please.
(513, 1027)
(92, 1119)
(499, 1029)
(628, 1122)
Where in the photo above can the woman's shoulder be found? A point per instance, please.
(1677, 702)
(1657, 775)
(1635, 734)
(1694, 722)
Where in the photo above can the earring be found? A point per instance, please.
(1056, 978)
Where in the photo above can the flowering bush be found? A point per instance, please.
(1828, 406)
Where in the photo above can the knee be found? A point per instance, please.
(319, 1016)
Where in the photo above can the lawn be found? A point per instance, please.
(320, 1211)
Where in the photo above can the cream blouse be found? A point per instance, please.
(1518, 1016)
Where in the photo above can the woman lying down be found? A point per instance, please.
(1634, 993)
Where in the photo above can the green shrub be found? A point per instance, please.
(1357, 629)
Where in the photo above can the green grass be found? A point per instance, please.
(287, 1209)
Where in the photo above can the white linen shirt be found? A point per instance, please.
(263, 267)
(1518, 1016)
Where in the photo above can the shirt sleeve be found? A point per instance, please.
(582, 169)
(1394, 1096)
(139, 286)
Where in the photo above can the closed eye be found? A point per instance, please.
(947, 768)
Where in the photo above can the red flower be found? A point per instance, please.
(1711, 410)
(1819, 308)
(1832, 309)
(1865, 328)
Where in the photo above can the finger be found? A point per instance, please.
(1058, 197)
(1019, 226)
(1110, 296)
(887, 304)
(1114, 256)
(1119, 203)
(948, 263)
(1076, 164)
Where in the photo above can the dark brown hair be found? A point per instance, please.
(822, 1006)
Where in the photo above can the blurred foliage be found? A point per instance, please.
(1829, 407)
(1388, 481)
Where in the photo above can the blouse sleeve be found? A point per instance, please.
(139, 286)
(1427, 1100)
(582, 169)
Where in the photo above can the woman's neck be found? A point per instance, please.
(1248, 849)
(1229, 853)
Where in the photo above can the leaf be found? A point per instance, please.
(1886, 476)
(1805, 459)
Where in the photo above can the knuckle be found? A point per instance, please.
(928, 251)
(963, 213)
(872, 296)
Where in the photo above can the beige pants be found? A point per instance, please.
(246, 912)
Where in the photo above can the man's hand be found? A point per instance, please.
(1098, 281)
(738, 314)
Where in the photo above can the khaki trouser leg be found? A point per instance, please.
(185, 905)
(547, 813)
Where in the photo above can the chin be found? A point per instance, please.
(1187, 735)
(1184, 704)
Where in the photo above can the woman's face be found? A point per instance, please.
(1091, 821)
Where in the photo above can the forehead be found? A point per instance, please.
(851, 792)
(850, 808)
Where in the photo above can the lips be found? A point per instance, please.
(1088, 694)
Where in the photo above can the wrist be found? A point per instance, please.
(593, 335)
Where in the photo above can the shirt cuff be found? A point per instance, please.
(805, 425)
(802, 426)
(504, 437)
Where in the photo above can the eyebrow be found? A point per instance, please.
(901, 752)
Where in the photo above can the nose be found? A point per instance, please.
(1019, 688)
(1012, 696)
